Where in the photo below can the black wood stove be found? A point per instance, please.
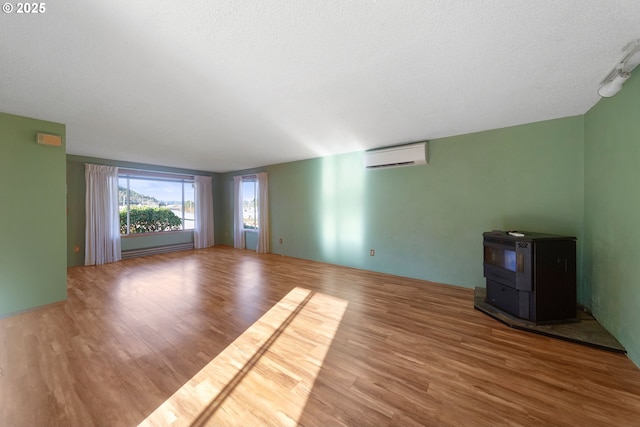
(531, 275)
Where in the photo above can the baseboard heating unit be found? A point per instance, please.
(134, 253)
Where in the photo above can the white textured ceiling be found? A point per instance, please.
(224, 85)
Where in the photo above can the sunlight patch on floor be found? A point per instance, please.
(266, 375)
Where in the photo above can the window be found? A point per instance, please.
(154, 202)
(250, 203)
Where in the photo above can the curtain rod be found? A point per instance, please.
(151, 173)
(252, 175)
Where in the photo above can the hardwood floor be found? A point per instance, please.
(228, 337)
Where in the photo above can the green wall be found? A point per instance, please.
(32, 212)
(427, 221)
(612, 211)
(76, 208)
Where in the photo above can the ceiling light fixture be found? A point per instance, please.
(621, 72)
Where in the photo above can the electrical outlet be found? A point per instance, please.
(372, 252)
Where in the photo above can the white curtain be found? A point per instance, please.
(238, 225)
(263, 213)
(102, 230)
(203, 232)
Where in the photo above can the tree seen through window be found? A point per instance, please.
(149, 204)
(250, 203)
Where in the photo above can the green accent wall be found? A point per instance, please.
(612, 212)
(32, 211)
(251, 240)
(427, 221)
(76, 206)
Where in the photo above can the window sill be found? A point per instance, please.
(154, 233)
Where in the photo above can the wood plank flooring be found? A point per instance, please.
(228, 337)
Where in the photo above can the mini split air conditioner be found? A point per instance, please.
(399, 155)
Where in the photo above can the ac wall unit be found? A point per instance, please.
(399, 155)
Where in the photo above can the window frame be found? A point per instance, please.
(148, 175)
